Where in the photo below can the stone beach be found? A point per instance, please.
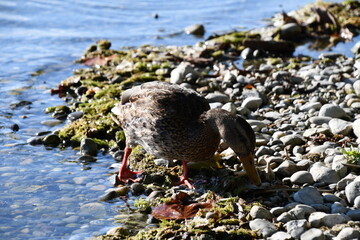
(305, 113)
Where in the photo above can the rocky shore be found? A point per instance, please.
(305, 113)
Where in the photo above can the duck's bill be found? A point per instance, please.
(249, 166)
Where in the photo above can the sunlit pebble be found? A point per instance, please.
(23, 116)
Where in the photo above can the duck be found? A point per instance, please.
(176, 123)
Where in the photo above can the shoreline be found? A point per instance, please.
(290, 102)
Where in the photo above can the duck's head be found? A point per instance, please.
(239, 136)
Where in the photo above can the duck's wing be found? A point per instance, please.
(168, 101)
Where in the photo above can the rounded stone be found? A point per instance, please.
(280, 235)
(339, 126)
(263, 226)
(93, 209)
(333, 111)
(137, 188)
(308, 195)
(260, 212)
(217, 97)
(352, 190)
(356, 127)
(88, 147)
(356, 87)
(348, 233)
(357, 202)
(252, 103)
(301, 177)
(51, 140)
(318, 219)
(296, 227)
(322, 173)
(196, 29)
(312, 234)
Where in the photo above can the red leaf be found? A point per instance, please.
(179, 208)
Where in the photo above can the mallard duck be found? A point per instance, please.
(173, 122)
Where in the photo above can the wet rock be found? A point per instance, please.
(333, 111)
(184, 72)
(154, 195)
(296, 227)
(93, 209)
(301, 177)
(104, 44)
(313, 234)
(35, 140)
(14, 127)
(308, 195)
(265, 228)
(352, 191)
(252, 103)
(260, 212)
(339, 126)
(118, 232)
(75, 115)
(137, 188)
(196, 29)
(154, 178)
(88, 147)
(348, 233)
(51, 123)
(322, 173)
(290, 31)
(115, 193)
(51, 140)
(280, 236)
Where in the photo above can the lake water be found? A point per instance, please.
(45, 191)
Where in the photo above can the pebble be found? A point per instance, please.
(356, 87)
(356, 128)
(313, 234)
(339, 126)
(322, 173)
(252, 103)
(93, 209)
(265, 228)
(319, 219)
(88, 147)
(260, 212)
(51, 140)
(51, 123)
(292, 140)
(354, 214)
(137, 188)
(332, 111)
(301, 177)
(320, 120)
(75, 115)
(217, 97)
(286, 169)
(280, 235)
(352, 190)
(348, 233)
(308, 195)
(184, 71)
(296, 227)
(357, 202)
(196, 29)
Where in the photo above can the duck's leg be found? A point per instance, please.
(126, 174)
(184, 179)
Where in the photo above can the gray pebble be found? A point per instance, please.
(217, 97)
(308, 195)
(182, 72)
(322, 173)
(51, 123)
(296, 227)
(301, 177)
(333, 111)
(276, 211)
(75, 115)
(35, 140)
(318, 219)
(260, 212)
(93, 209)
(357, 202)
(137, 188)
(348, 233)
(337, 207)
(252, 103)
(319, 120)
(88, 147)
(293, 140)
(286, 169)
(265, 228)
(356, 87)
(352, 191)
(354, 214)
(339, 126)
(280, 235)
(51, 140)
(312, 234)
(196, 29)
(356, 127)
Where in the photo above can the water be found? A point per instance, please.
(44, 190)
